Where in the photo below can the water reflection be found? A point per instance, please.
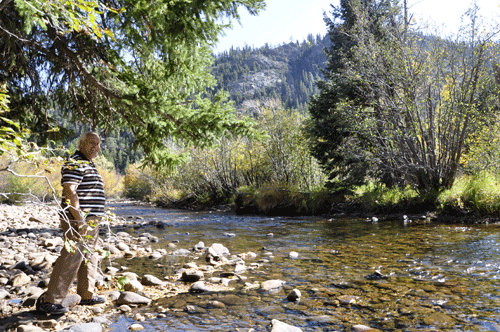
(404, 278)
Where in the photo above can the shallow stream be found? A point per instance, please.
(389, 275)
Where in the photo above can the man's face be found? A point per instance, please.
(91, 146)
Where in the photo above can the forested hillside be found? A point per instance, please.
(287, 72)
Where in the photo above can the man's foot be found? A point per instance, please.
(50, 308)
(93, 300)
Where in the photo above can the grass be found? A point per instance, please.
(479, 193)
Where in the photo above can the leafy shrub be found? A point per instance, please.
(113, 182)
(40, 182)
(137, 183)
(479, 192)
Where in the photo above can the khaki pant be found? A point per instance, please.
(69, 265)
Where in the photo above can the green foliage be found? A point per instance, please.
(121, 282)
(212, 176)
(137, 184)
(400, 107)
(139, 65)
(479, 193)
(375, 195)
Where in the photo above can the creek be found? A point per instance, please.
(390, 275)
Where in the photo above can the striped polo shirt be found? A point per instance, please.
(90, 190)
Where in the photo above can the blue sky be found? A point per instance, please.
(291, 20)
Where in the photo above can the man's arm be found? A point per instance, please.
(69, 193)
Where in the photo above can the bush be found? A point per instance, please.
(113, 182)
(137, 183)
(376, 195)
(479, 192)
(40, 182)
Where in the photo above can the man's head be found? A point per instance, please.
(90, 144)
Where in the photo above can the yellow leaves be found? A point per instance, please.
(72, 15)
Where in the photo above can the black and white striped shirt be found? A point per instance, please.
(90, 187)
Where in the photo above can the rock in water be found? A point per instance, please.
(272, 285)
(132, 298)
(278, 326)
(294, 295)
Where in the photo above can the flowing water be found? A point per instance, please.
(397, 276)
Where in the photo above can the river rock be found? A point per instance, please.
(272, 285)
(348, 299)
(3, 294)
(123, 246)
(139, 318)
(181, 252)
(190, 265)
(155, 255)
(199, 287)
(278, 326)
(294, 295)
(71, 300)
(132, 298)
(192, 276)
(19, 280)
(439, 319)
(85, 327)
(113, 250)
(136, 327)
(216, 252)
(363, 328)
(293, 254)
(199, 246)
(111, 270)
(102, 320)
(53, 242)
(239, 268)
(29, 328)
(216, 304)
(47, 324)
(129, 254)
(23, 266)
(133, 286)
(113, 295)
(49, 258)
(150, 280)
(124, 308)
(130, 275)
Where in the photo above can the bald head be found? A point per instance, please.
(90, 144)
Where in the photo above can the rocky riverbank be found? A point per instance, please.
(30, 240)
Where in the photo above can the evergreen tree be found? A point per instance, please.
(123, 64)
(399, 106)
(331, 130)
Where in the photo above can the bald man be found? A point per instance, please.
(83, 205)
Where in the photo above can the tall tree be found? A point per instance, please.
(413, 101)
(335, 142)
(138, 64)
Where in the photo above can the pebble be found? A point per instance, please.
(270, 285)
(132, 298)
(294, 295)
(136, 327)
(278, 326)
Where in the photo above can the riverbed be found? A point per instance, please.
(392, 275)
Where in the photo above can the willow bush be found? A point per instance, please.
(213, 176)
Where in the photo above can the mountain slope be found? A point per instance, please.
(287, 73)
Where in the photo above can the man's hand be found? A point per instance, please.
(69, 193)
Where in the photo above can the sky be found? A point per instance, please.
(290, 20)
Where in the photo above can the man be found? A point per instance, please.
(83, 203)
